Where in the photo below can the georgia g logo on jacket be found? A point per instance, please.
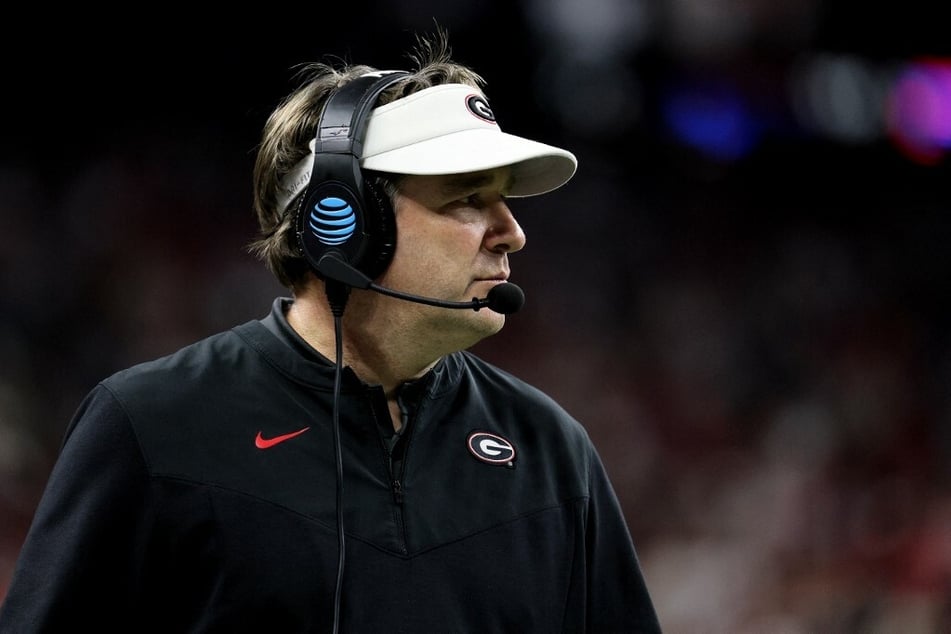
(491, 448)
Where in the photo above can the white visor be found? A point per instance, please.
(447, 129)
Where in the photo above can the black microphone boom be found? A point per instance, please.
(505, 298)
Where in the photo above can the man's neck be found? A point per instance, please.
(378, 351)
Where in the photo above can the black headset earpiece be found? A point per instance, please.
(340, 211)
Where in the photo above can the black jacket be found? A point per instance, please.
(177, 506)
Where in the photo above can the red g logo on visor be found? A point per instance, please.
(478, 106)
(491, 448)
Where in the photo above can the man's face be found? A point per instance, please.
(454, 234)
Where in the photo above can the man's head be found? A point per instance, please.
(433, 121)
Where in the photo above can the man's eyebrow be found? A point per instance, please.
(460, 183)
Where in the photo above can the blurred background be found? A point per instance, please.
(742, 294)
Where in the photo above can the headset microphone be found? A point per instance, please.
(505, 298)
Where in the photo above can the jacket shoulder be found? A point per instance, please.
(499, 388)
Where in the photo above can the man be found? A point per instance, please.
(344, 464)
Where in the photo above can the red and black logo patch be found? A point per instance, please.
(478, 106)
(491, 448)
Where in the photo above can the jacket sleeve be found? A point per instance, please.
(78, 563)
(618, 598)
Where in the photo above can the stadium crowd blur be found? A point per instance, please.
(743, 294)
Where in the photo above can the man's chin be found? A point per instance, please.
(470, 327)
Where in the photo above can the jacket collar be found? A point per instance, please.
(278, 343)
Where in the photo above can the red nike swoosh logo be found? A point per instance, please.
(266, 443)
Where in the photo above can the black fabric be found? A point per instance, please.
(162, 514)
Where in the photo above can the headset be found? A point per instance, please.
(341, 212)
(346, 230)
(343, 215)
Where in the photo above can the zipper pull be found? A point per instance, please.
(397, 491)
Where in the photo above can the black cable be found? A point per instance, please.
(338, 294)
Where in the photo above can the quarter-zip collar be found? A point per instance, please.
(286, 351)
